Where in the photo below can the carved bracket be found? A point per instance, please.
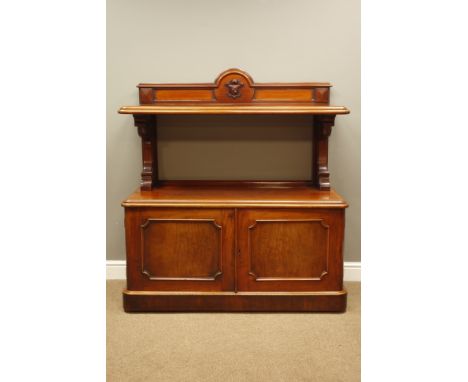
(322, 129)
(146, 125)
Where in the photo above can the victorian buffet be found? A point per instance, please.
(234, 245)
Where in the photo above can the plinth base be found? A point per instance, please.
(142, 301)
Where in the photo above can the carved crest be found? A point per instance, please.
(234, 86)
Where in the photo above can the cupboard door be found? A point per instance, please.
(290, 250)
(180, 249)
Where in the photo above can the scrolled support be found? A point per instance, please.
(322, 129)
(146, 125)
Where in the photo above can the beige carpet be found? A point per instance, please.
(232, 347)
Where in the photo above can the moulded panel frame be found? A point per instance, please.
(329, 255)
(221, 225)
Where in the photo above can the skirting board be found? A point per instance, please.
(115, 270)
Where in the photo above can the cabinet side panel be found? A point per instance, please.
(132, 243)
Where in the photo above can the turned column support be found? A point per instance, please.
(322, 130)
(146, 125)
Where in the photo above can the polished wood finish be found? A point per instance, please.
(235, 237)
(235, 245)
(234, 92)
(183, 249)
(322, 130)
(146, 125)
(232, 109)
(290, 250)
(235, 194)
(235, 86)
(191, 247)
(234, 302)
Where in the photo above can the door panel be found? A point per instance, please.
(290, 250)
(281, 249)
(180, 249)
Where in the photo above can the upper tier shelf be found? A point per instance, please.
(234, 92)
(210, 108)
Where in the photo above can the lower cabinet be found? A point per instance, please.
(234, 259)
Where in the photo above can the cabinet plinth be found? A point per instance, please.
(235, 246)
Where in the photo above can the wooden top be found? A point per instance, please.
(239, 194)
(235, 92)
(202, 108)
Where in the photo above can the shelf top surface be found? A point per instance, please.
(238, 108)
(235, 194)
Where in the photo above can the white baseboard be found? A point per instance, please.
(115, 270)
(352, 271)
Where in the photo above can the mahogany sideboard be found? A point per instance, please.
(253, 246)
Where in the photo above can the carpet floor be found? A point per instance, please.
(238, 347)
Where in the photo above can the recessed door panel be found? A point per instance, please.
(181, 249)
(289, 250)
(294, 249)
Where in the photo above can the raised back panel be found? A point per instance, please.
(235, 86)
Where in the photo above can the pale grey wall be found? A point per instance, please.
(195, 40)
